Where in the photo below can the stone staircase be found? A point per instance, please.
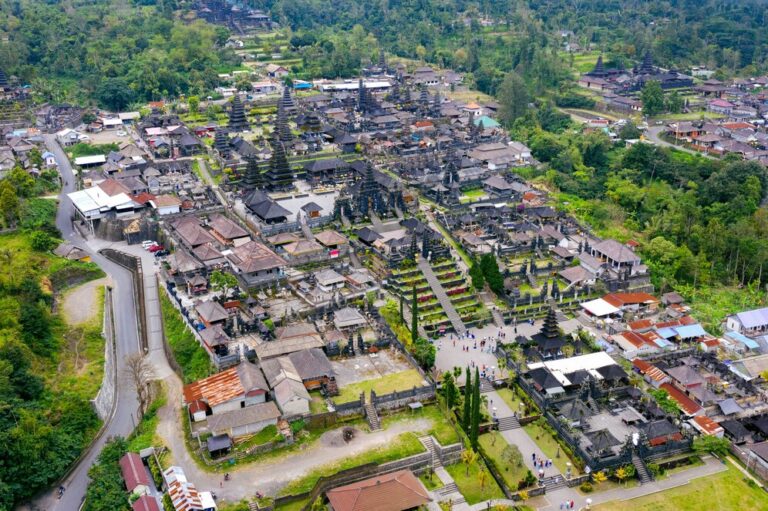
(498, 319)
(376, 221)
(641, 469)
(507, 423)
(450, 492)
(486, 386)
(553, 483)
(442, 297)
(372, 416)
(305, 228)
(429, 443)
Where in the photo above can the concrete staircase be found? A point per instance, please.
(507, 423)
(429, 443)
(442, 297)
(372, 416)
(642, 471)
(553, 483)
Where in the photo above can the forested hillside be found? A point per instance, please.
(526, 35)
(117, 52)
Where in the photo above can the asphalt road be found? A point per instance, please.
(123, 419)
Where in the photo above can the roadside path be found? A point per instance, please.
(653, 135)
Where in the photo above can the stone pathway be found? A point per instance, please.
(442, 297)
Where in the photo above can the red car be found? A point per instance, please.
(155, 248)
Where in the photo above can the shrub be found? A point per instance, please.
(586, 487)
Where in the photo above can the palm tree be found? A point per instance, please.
(621, 474)
(483, 478)
(600, 477)
(468, 457)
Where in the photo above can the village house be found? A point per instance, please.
(134, 474)
(232, 389)
(255, 265)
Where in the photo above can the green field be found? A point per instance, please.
(494, 444)
(726, 491)
(469, 483)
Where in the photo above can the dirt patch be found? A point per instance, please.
(339, 437)
(81, 304)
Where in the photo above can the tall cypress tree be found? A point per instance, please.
(467, 402)
(475, 426)
(414, 317)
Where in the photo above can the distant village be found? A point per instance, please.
(282, 230)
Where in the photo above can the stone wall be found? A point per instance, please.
(104, 401)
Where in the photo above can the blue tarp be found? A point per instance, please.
(666, 333)
(743, 339)
(690, 331)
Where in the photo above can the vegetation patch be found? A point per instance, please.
(403, 380)
(189, 354)
(474, 481)
(726, 491)
(406, 444)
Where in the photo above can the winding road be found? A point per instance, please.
(123, 419)
(653, 135)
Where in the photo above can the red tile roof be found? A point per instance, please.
(620, 299)
(216, 389)
(686, 404)
(145, 503)
(649, 370)
(707, 425)
(133, 470)
(640, 324)
(397, 491)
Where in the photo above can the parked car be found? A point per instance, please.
(155, 248)
(161, 253)
(147, 243)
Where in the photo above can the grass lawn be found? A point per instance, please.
(726, 491)
(385, 385)
(690, 116)
(403, 446)
(494, 444)
(431, 483)
(548, 446)
(441, 428)
(189, 354)
(317, 405)
(145, 433)
(80, 367)
(469, 485)
(262, 437)
(296, 505)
